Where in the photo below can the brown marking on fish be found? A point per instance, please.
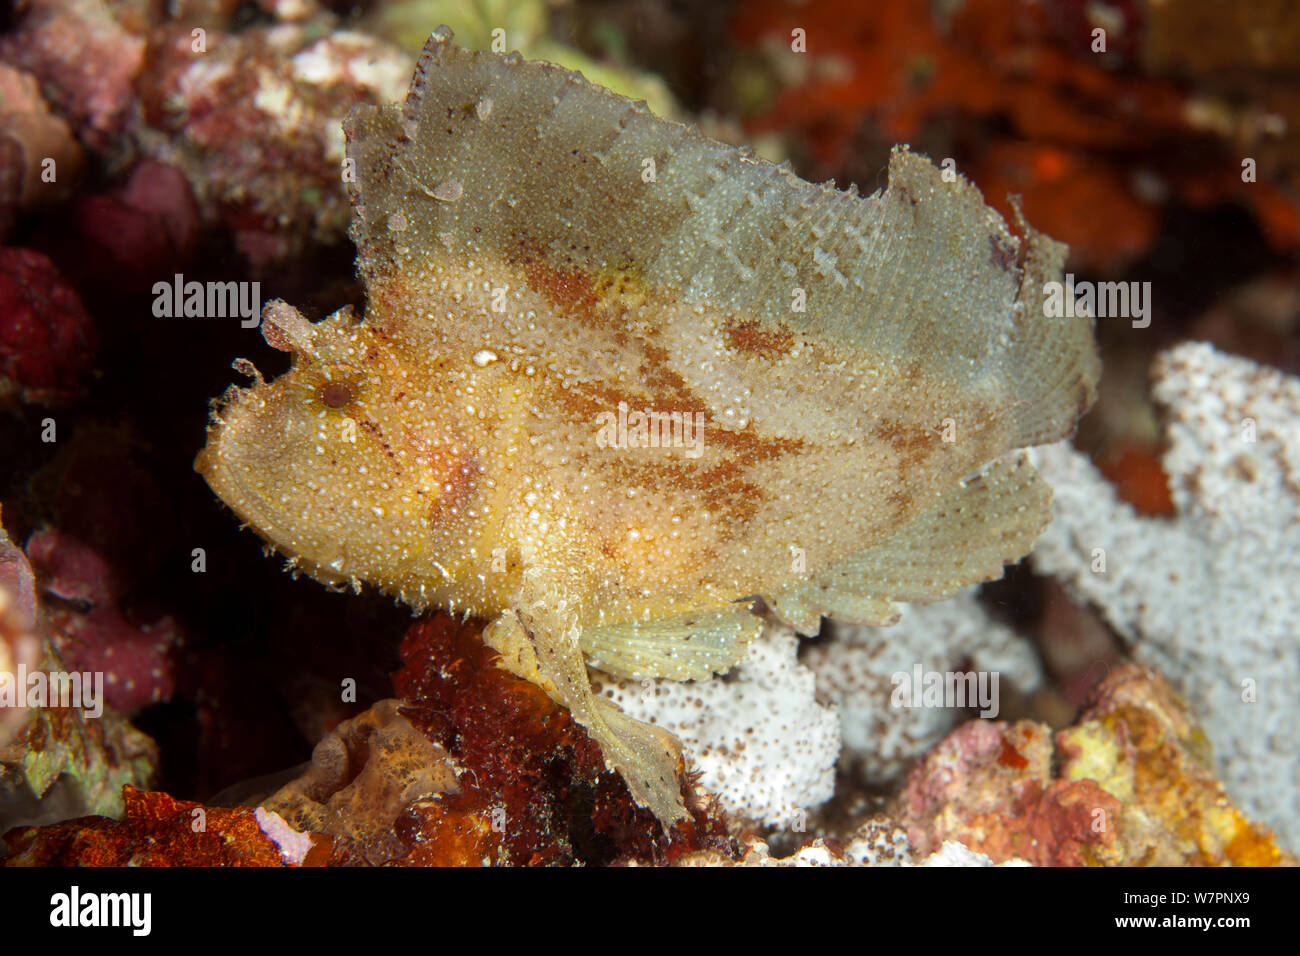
(1003, 254)
(750, 337)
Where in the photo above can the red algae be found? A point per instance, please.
(528, 765)
(156, 830)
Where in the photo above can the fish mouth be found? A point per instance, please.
(203, 463)
(227, 473)
(235, 464)
(233, 493)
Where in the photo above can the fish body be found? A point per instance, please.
(616, 381)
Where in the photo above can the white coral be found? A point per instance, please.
(766, 746)
(762, 742)
(953, 853)
(875, 843)
(1211, 598)
(854, 666)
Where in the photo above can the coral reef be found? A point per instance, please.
(765, 743)
(1146, 652)
(990, 785)
(185, 89)
(85, 60)
(1098, 143)
(479, 767)
(62, 764)
(474, 767)
(40, 160)
(760, 740)
(56, 761)
(366, 773)
(47, 340)
(282, 194)
(531, 765)
(90, 630)
(1208, 597)
(158, 830)
(854, 666)
(1128, 784)
(94, 561)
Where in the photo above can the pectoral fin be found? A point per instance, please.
(968, 534)
(691, 646)
(541, 642)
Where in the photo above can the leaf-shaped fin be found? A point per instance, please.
(802, 606)
(540, 642)
(649, 759)
(691, 646)
(984, 522)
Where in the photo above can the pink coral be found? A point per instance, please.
(281, 191)
(85, 60)
(1127, 784)
(136, 657)
(47, 339)
(146, 229)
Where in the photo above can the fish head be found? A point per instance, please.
(338, 462)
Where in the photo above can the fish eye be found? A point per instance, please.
(340, 385)
(336, 394)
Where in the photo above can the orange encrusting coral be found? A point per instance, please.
(526, 758)
(156, 830)
(1027, 104)
(1129, 784)
(1134, 469)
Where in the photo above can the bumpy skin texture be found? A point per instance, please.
(542, 256)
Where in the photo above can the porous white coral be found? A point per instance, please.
(854, 666)
(953, 853)
(876, 843)
(764, 738)
(759, 737)
(1211, 598)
